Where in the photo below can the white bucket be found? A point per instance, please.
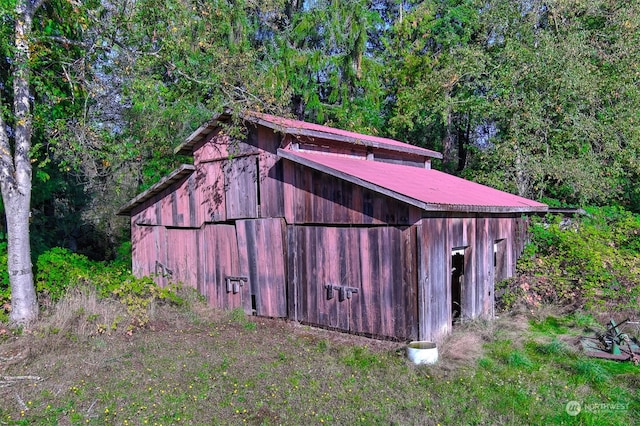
(422, 352)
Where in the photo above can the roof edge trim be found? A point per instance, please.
(173, 177)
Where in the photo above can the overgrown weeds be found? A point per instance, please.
(70, 285)
(589, 262)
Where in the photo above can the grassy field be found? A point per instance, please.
(200, 367)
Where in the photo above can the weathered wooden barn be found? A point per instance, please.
(328, 227)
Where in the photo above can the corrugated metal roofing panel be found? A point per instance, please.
(301, 128)
(425, 188)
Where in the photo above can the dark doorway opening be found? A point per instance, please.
(457, 279)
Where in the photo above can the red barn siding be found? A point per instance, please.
(182, 250)
(241, 192)
(219, 259)
(262, 260)
(357, 258)
(314, 197)
(434, 281)
(148, 248)
(219, 147)
(477, 236)
(210, 194)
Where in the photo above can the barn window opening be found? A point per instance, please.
(254, 305)
(499, 260)
(457, 280)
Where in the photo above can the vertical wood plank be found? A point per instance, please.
(409, 328)
(293, 249)
(469, 285)
(261, 254)
(271, 186)
(182, 256)
(210, 193)
(484, 259)
(241, 178)
(219, 247)
(436, 285)
(424, 288)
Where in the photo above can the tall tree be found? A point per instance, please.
(436, 68)
(15, 170)
(329, 65)
(37, 89)
(563, 85)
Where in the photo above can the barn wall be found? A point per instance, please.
(311, 196)
(210, 198)
(182, 251)
(219, 146)
(148, 254)
(359, 280)
(262, 259)
(491, 246)
(175, 206)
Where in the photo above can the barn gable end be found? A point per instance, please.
(328, 227)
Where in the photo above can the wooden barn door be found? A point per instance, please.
(243, 266)
(223, 282)
(354, 279)
(182, 256)
(261, 258)
(434, 274)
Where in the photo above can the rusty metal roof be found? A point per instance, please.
(427, 189)
(293, 127)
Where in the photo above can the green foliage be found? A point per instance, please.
(59, 270)
(590, 261)
(549, 325)
(592, 370)
(137, 294)
(555, 347)
(518, 359)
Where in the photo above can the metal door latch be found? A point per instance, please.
(344, 292)
(162, 270)
(234, 283)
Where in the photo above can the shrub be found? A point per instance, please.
(59, 270)
(590, 261)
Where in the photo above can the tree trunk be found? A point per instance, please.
(448, 140)
(15, 174)
(24, 306)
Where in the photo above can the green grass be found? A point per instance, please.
(219, 370)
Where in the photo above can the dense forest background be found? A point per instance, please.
(538, 98)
